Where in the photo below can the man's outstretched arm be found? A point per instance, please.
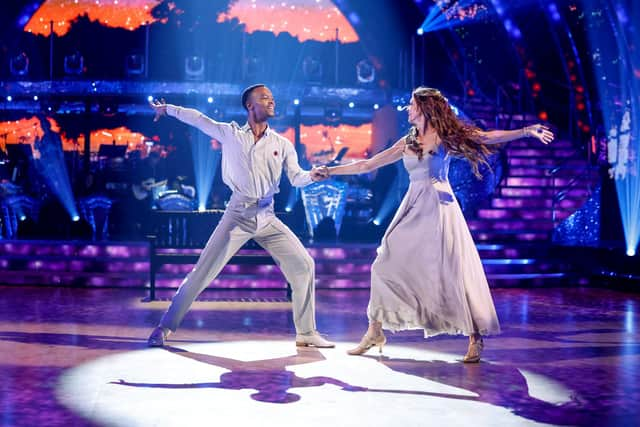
(219, 131)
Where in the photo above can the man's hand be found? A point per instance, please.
(159, 107)
(319, 173)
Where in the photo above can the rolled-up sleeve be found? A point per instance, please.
(297, 176)
(219, 131)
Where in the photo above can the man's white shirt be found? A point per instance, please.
(252, 169)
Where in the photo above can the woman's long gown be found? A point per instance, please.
(428, 274)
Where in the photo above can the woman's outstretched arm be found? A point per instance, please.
(383, 158)
(540, 132)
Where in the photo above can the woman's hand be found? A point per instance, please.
(159, 108)
(540, 132)
(319, 173)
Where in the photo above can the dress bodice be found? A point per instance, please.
(432, 166)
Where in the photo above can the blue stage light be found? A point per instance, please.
(149, 98)
(9, 98)
(210, 100)
(351, 104)
(615, 73)
(35, 97)
(553, 11)
(442, 15)
(52, 167)
(389, 204)
(205, 164)
(376, 106)
(292, 199)
(296, 101)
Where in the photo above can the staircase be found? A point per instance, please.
(527, 207)
(542, 186)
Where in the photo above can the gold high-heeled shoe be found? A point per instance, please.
(474, 351)
(367, 342)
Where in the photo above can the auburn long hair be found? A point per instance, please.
(459, 138)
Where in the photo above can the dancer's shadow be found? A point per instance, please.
(269, 377)
(567, 345)
(499, 385)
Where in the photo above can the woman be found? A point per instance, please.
(428, 274)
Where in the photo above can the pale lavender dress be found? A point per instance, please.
(428, 274)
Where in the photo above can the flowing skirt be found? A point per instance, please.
(428, 274)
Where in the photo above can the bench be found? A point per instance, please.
(174, 238)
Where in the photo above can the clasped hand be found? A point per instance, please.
(319, 173)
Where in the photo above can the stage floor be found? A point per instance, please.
(76, 357)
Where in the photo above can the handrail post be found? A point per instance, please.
(152, 267)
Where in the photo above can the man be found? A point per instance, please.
(253, 157)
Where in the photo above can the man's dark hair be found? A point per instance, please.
(247, 93)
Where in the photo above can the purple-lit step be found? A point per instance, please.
(503, 262)
(74, 249)
(529, 171)
(514, 225)
(351, 251)
(516, 203)
(520, 266)
(528, 143)
(73, 278)
(530, 203)
(545, 161)
(540, 152)
(56, 264)
(541, 192)
(321, 267)
(508, 236)
(527, 214)
(180, 271)
(323, 282)
(71, 265)
(540, 171)
(540, 181)
(136, 252)
(512, 250)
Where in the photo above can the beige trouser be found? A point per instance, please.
(240, 222)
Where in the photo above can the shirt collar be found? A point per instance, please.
(247, 128)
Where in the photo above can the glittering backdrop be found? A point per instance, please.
(129, 14)
(303, 19)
